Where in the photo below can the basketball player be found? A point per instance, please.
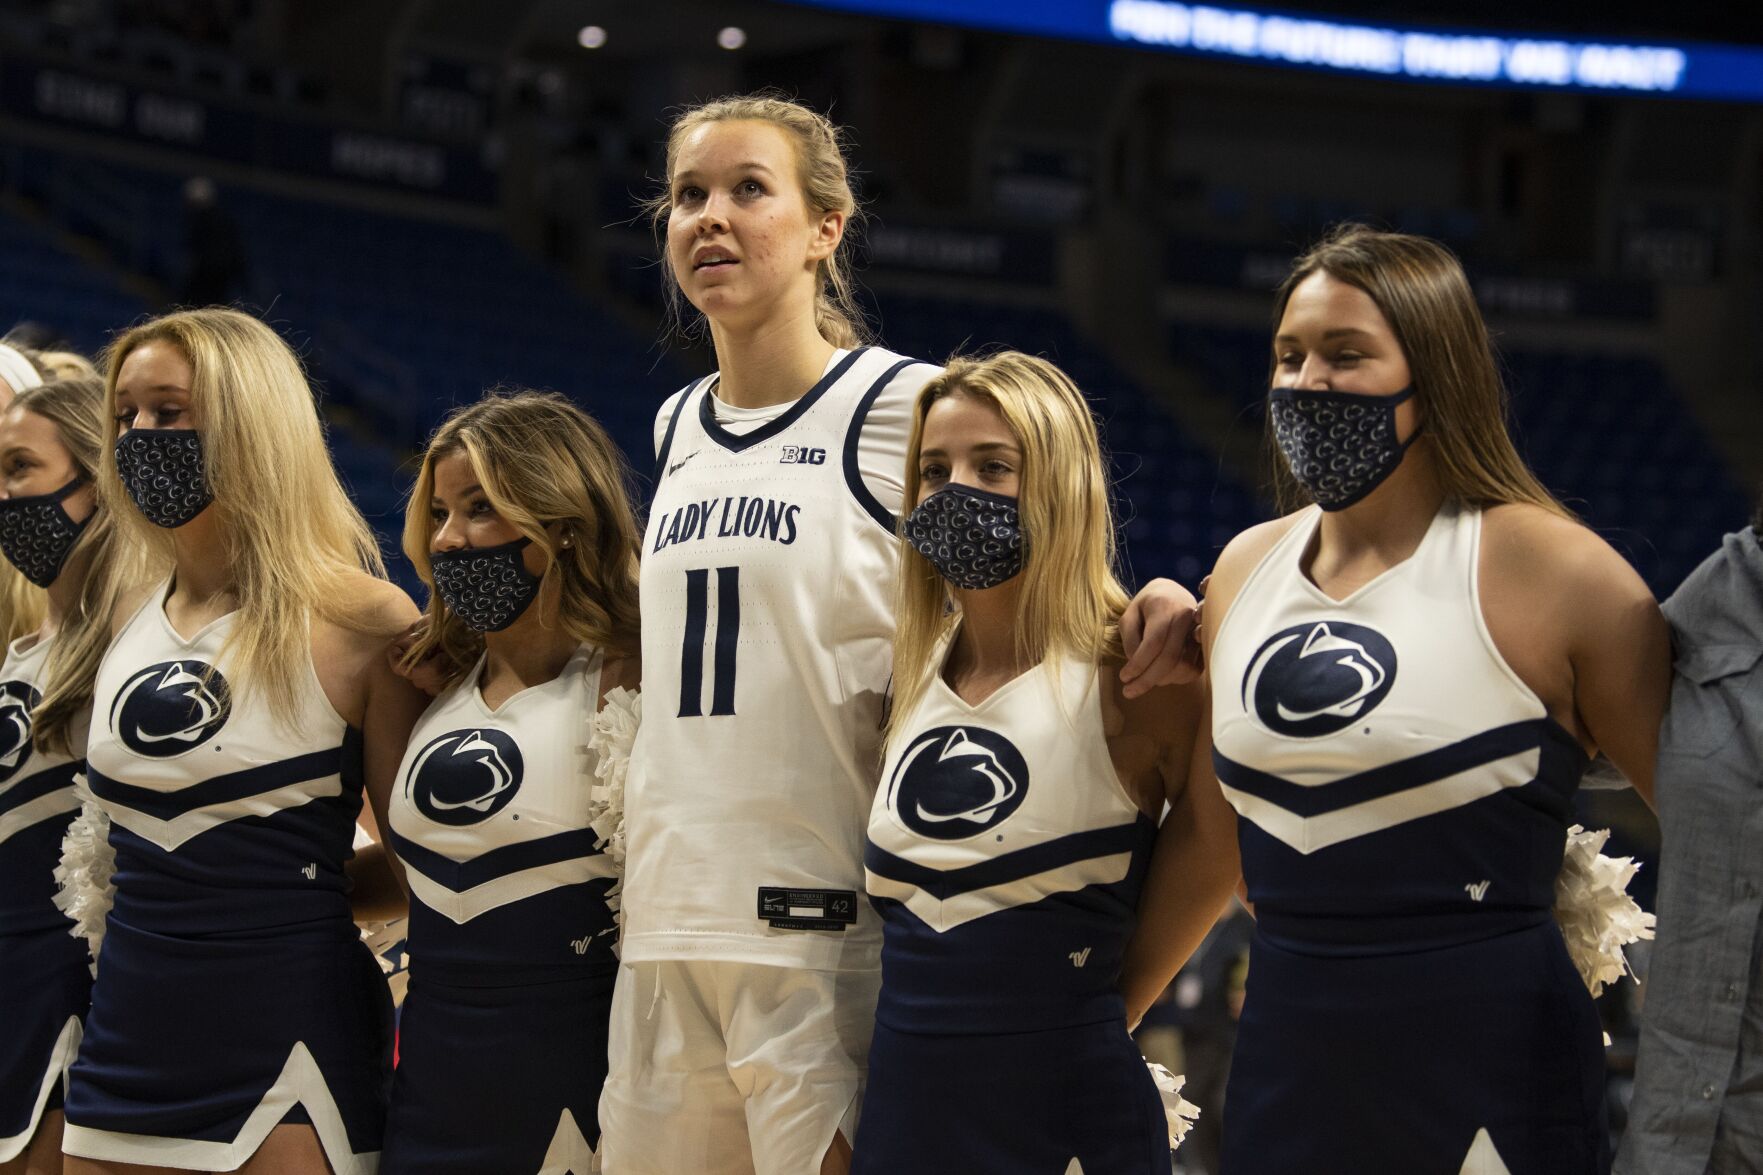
(746, 997)
(54, 532)
(237, 1022)
(521, 527)
(1012, 831)
(1408, 677)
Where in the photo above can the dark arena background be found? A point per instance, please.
(430, 198)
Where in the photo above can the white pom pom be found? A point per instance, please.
(1177, 1110)
(83, 878)
(1592, 906)
(611, 734)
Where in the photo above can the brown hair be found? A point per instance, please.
(826, 187)
(1425, 296)
(540, 459)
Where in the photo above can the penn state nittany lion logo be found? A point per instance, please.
(167, 709)
(465, 776)
(958, 781)
(1314, 679)
(17, 700)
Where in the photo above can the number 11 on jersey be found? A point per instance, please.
(728, 633)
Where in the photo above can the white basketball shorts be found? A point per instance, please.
(722, 1068)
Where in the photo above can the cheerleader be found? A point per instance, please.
(521, 527)
(1408, 676)
(54, 533)
(21, 602)
(237, 1022)
(1013, 828)
(746, 999)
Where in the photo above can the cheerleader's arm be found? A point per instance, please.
(1194, 869)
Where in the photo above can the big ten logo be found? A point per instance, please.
(796, 455)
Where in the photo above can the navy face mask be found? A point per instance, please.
(1339, 445)
(37, 534)
(163, 471)
(486, 587)
(972, 537)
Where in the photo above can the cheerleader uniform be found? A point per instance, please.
(235, 993)
(45, 984)
(502, 1035)
(1005, 860)
(1403, 798)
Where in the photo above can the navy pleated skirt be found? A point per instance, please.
(498, 1077)
(1403, 1063)
(1011, 1104)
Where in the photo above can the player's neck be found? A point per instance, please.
(1388, 524)
(532, 650)
(202, 570)
(774, 362)
(986, 644)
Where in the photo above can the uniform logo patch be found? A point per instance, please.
(958, 781)
(465, 776)
(167, 709)
(17, 700)
(1314, 679)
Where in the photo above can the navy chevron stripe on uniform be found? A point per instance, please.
(460, 876)
(1388, 779)
(221, 789)
(1037, 859)
(33, 787)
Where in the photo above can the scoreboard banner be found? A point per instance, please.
(1369, 49)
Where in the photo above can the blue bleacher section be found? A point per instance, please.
(400, 319)
(1605, 433)
(41, 281)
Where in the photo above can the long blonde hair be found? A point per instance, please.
(293, 539)
(76, 408)
(539, 459)
(21, 604)
(824, 171)
(1071, 599)
(1423, 293)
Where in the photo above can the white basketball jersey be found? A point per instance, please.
(768, 574)
(490, 811)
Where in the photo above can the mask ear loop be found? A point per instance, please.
(1396, 400)
(55, 496)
